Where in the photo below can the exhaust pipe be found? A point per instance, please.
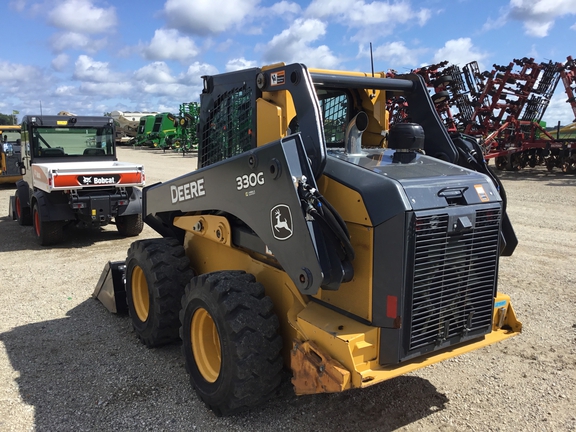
(354, 131)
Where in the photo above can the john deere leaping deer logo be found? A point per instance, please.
(281, 222)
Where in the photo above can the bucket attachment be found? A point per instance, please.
(111, 289)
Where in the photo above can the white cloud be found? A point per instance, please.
(157, 72)
(59, 62)
(109, 89)
(13, 72)
(282, 8)
(168, 44)
(17, 5)
(20, 82)
(174, 90)
(459, 52)
(194, 73)
(156, 80)
(423, 16)
(65, 91)
(396, 54)
(70, 40)
(81, 16)
(369, 19)
(539, 16)
(204, 17)
(294, 45)
(87, 69)
(558, 109)
(324, 8)
(535, 8)
(537, 28)
(239, 63)
(495, 23)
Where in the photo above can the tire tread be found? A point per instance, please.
(252, 328)
(166, 263)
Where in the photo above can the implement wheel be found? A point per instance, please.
(440, 97)
(157, 271)
(46, 232)
(230, 341)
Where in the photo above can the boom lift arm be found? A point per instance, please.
(266, 189)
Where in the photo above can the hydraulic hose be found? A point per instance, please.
(332, 223)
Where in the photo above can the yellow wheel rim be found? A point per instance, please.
(140, 296)
(206, 345)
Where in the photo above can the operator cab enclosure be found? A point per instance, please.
(67, 139)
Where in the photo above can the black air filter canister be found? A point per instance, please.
(406, 139)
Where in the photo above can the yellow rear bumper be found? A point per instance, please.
(336, 353)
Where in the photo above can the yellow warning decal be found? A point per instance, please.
(481, 193)
(278, 78)
(62, 122)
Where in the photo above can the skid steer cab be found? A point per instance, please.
(317, 236)
(71, 176)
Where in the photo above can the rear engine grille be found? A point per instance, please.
(454, 279)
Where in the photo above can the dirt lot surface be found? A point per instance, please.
(67, 364)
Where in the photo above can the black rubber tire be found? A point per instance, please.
(442, 80)
(440, 97)
(501, 163)
(23, 215)
(129, 225)
(246, 330)
(47, 233)
(157, 271)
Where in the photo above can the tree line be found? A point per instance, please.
(8, 119)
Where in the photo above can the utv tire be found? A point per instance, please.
(230, 341)
(129, 225)
(47, 233)
(22, 213)
(157, 270)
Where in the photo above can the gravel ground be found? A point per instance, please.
(67, 364)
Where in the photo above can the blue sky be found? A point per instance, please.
(94, 56)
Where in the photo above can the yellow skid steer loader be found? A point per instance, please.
(317, 235)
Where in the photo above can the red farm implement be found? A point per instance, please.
(503, 108)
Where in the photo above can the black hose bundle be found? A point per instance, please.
(331, 223)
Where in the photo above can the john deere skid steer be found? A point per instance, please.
(318, 236)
